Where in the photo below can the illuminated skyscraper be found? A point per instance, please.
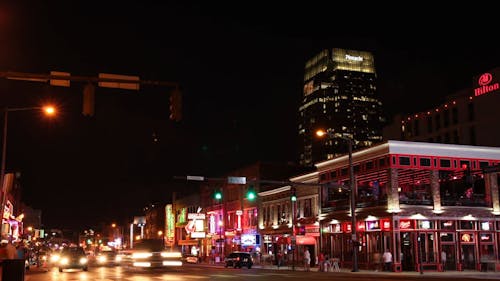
(339, 95)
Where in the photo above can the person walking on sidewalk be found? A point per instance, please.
(443, 259)
(307, 260)
(387, 258)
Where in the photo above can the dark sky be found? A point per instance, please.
(240, 66)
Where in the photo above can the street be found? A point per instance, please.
(205, 272)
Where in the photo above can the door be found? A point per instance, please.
(450, 257)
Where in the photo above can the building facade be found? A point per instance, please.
(340, 96)
(418, 200)
(467, 117)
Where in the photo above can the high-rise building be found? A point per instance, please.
(339, 96)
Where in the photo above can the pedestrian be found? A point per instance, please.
(387, 259)
(11, 251)
(321, 261)
(443, 259)
(377, 261)
(279, 257)
(307, 260)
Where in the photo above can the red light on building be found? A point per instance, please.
(405, 224)
(386, 224)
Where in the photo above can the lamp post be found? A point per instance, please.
(352, 189)
(48, 110)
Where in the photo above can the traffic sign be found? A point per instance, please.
(236, 180)
(119, 85)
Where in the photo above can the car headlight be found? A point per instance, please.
(118, 258)
(141, 255)
(54, 258)
(171, 254)
(101, 259)
(83, 260)
(64, 261)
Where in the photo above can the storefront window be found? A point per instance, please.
(447, 237)
(447, 225)
(467, 224)
(423, 224)
(486, 225)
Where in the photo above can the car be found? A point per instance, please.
(239, 259)
(73, 258)
(108, 258)
(151, 253)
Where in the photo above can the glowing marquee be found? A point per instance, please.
(485, 85)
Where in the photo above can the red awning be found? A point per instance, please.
(305, 240)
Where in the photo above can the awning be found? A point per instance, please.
(190, 242)
(305, 240)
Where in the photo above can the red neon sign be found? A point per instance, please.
(386, 224)
(405, 224)
(484, 85)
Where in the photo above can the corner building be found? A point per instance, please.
(340, 96)
(420, 201)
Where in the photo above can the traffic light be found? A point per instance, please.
(218, 195)
(251, 195)
(88, 100)
(176, 105)
(293, 198)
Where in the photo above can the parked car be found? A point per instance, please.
(73, 257)
(239, 259)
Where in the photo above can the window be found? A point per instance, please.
(425, 162)
(308, 207)
(470, 108)
(322, 177)
(333, 174)
(404, 160)
(454, 115)
(429, 124)
(369, 165)
(446, 117)
(472, 135)
(445, 163)
(438, 121)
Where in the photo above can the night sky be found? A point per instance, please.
(240, 67)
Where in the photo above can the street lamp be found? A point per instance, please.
(49, 111)
(352, 188)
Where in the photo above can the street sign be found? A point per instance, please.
(236, 180)
(195, 178)
(119, 85)
(60, 82)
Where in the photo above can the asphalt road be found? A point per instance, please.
(206, 272)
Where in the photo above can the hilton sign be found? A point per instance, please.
(486, 85)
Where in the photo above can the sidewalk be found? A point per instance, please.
(343, 271)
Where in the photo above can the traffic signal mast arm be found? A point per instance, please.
(47, 77)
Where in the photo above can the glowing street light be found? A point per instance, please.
(354, 238)
(47, 110)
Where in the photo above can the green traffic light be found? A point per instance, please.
(251, 195)
(218, 195)
(293, 198)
